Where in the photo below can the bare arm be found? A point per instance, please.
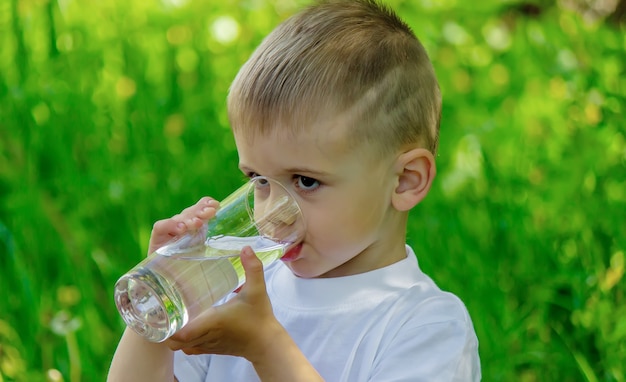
(229, 329)
(224, 329)
(282, 360)
(138, 360)
(276, 356)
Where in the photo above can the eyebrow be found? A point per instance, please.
(299, 170)
(290, 170)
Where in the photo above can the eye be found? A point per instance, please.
(307, 184)
(251, 175)
(259, 181)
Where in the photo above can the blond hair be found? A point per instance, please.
(337, 56)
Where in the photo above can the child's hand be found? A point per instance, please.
(190, 219)
(243, 326)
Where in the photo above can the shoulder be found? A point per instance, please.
(432, 306)
(433, 326)
(425, 304)
(430, 334)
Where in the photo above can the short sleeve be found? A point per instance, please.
(444, 351)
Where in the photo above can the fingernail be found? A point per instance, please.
(180, 225)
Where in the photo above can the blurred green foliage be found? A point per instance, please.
(112, 116)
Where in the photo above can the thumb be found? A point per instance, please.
(253, 267)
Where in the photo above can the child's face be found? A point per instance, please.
(344, 194)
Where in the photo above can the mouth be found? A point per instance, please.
(292, 254)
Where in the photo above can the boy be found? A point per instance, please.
(341, 105)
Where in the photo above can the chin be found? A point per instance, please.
(302, 273)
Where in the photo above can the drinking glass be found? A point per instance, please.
(189, 274)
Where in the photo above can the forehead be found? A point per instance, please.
(328, 126)
(323, 147)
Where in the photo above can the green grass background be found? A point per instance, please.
(112, 116)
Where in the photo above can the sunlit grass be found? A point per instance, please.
(124, 124)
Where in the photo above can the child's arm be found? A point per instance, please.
(137, 359)
(246, 327)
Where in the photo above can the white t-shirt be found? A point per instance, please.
(389, 324)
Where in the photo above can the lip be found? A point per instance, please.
(292, 254)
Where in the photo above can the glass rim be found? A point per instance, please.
(251, 182)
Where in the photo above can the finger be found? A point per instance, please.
(200, 206)
(170, 227)
(195, 216)
(196, 331)
(193, 223)
(205, 341)
(253, 268)
(193, 351)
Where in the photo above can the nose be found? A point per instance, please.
(276, 215)
(282, 210)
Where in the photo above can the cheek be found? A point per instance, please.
(365, 220)
(344, 221)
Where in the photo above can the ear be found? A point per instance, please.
(415, 171)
